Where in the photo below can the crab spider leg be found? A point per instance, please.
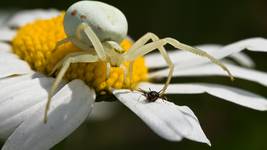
(61, 42)
(131, 72)
(162, 42)
(199, 52)
(69, 39)
(61, 62)
(141, 42)
(125, 70)
(144, 39)
(93, 38)
(149, 47)
(85, 58)
(80, 43)
(108, 70)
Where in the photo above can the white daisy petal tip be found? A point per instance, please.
(195, 123)
(69, 108)
(243, 59)
(168, 120)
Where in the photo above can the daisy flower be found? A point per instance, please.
(26, 58)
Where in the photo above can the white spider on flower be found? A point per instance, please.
(25, 94)
(99, 27)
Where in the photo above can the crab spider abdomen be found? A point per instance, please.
(108, 22)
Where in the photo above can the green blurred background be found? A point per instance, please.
(227, 125)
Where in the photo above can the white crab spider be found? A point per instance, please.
(97, 28)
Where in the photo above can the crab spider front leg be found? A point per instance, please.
(76, 57)
(84, 27)
(69, 39)
(61, 42)
(144, 39)
(196, 51)
(141, 42)
(93, 38)
(72, 58)
(131, 73)
(62, 61)
(137, 49)
(131, 55)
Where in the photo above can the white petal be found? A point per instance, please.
(210, 69)
(185, 61)
(164, 118)
(20, 78)
(17, 86)
(10, 64)
(156, 60)
(6, 34)
(26, 16)
(231, 94)
(69, 108)
(4, 47)
(243, 59)
(252, 44)
(19, 94)
(14, 79)
(197, 132)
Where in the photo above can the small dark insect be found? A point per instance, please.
(152, 96)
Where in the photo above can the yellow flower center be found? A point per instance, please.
(35, 42)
